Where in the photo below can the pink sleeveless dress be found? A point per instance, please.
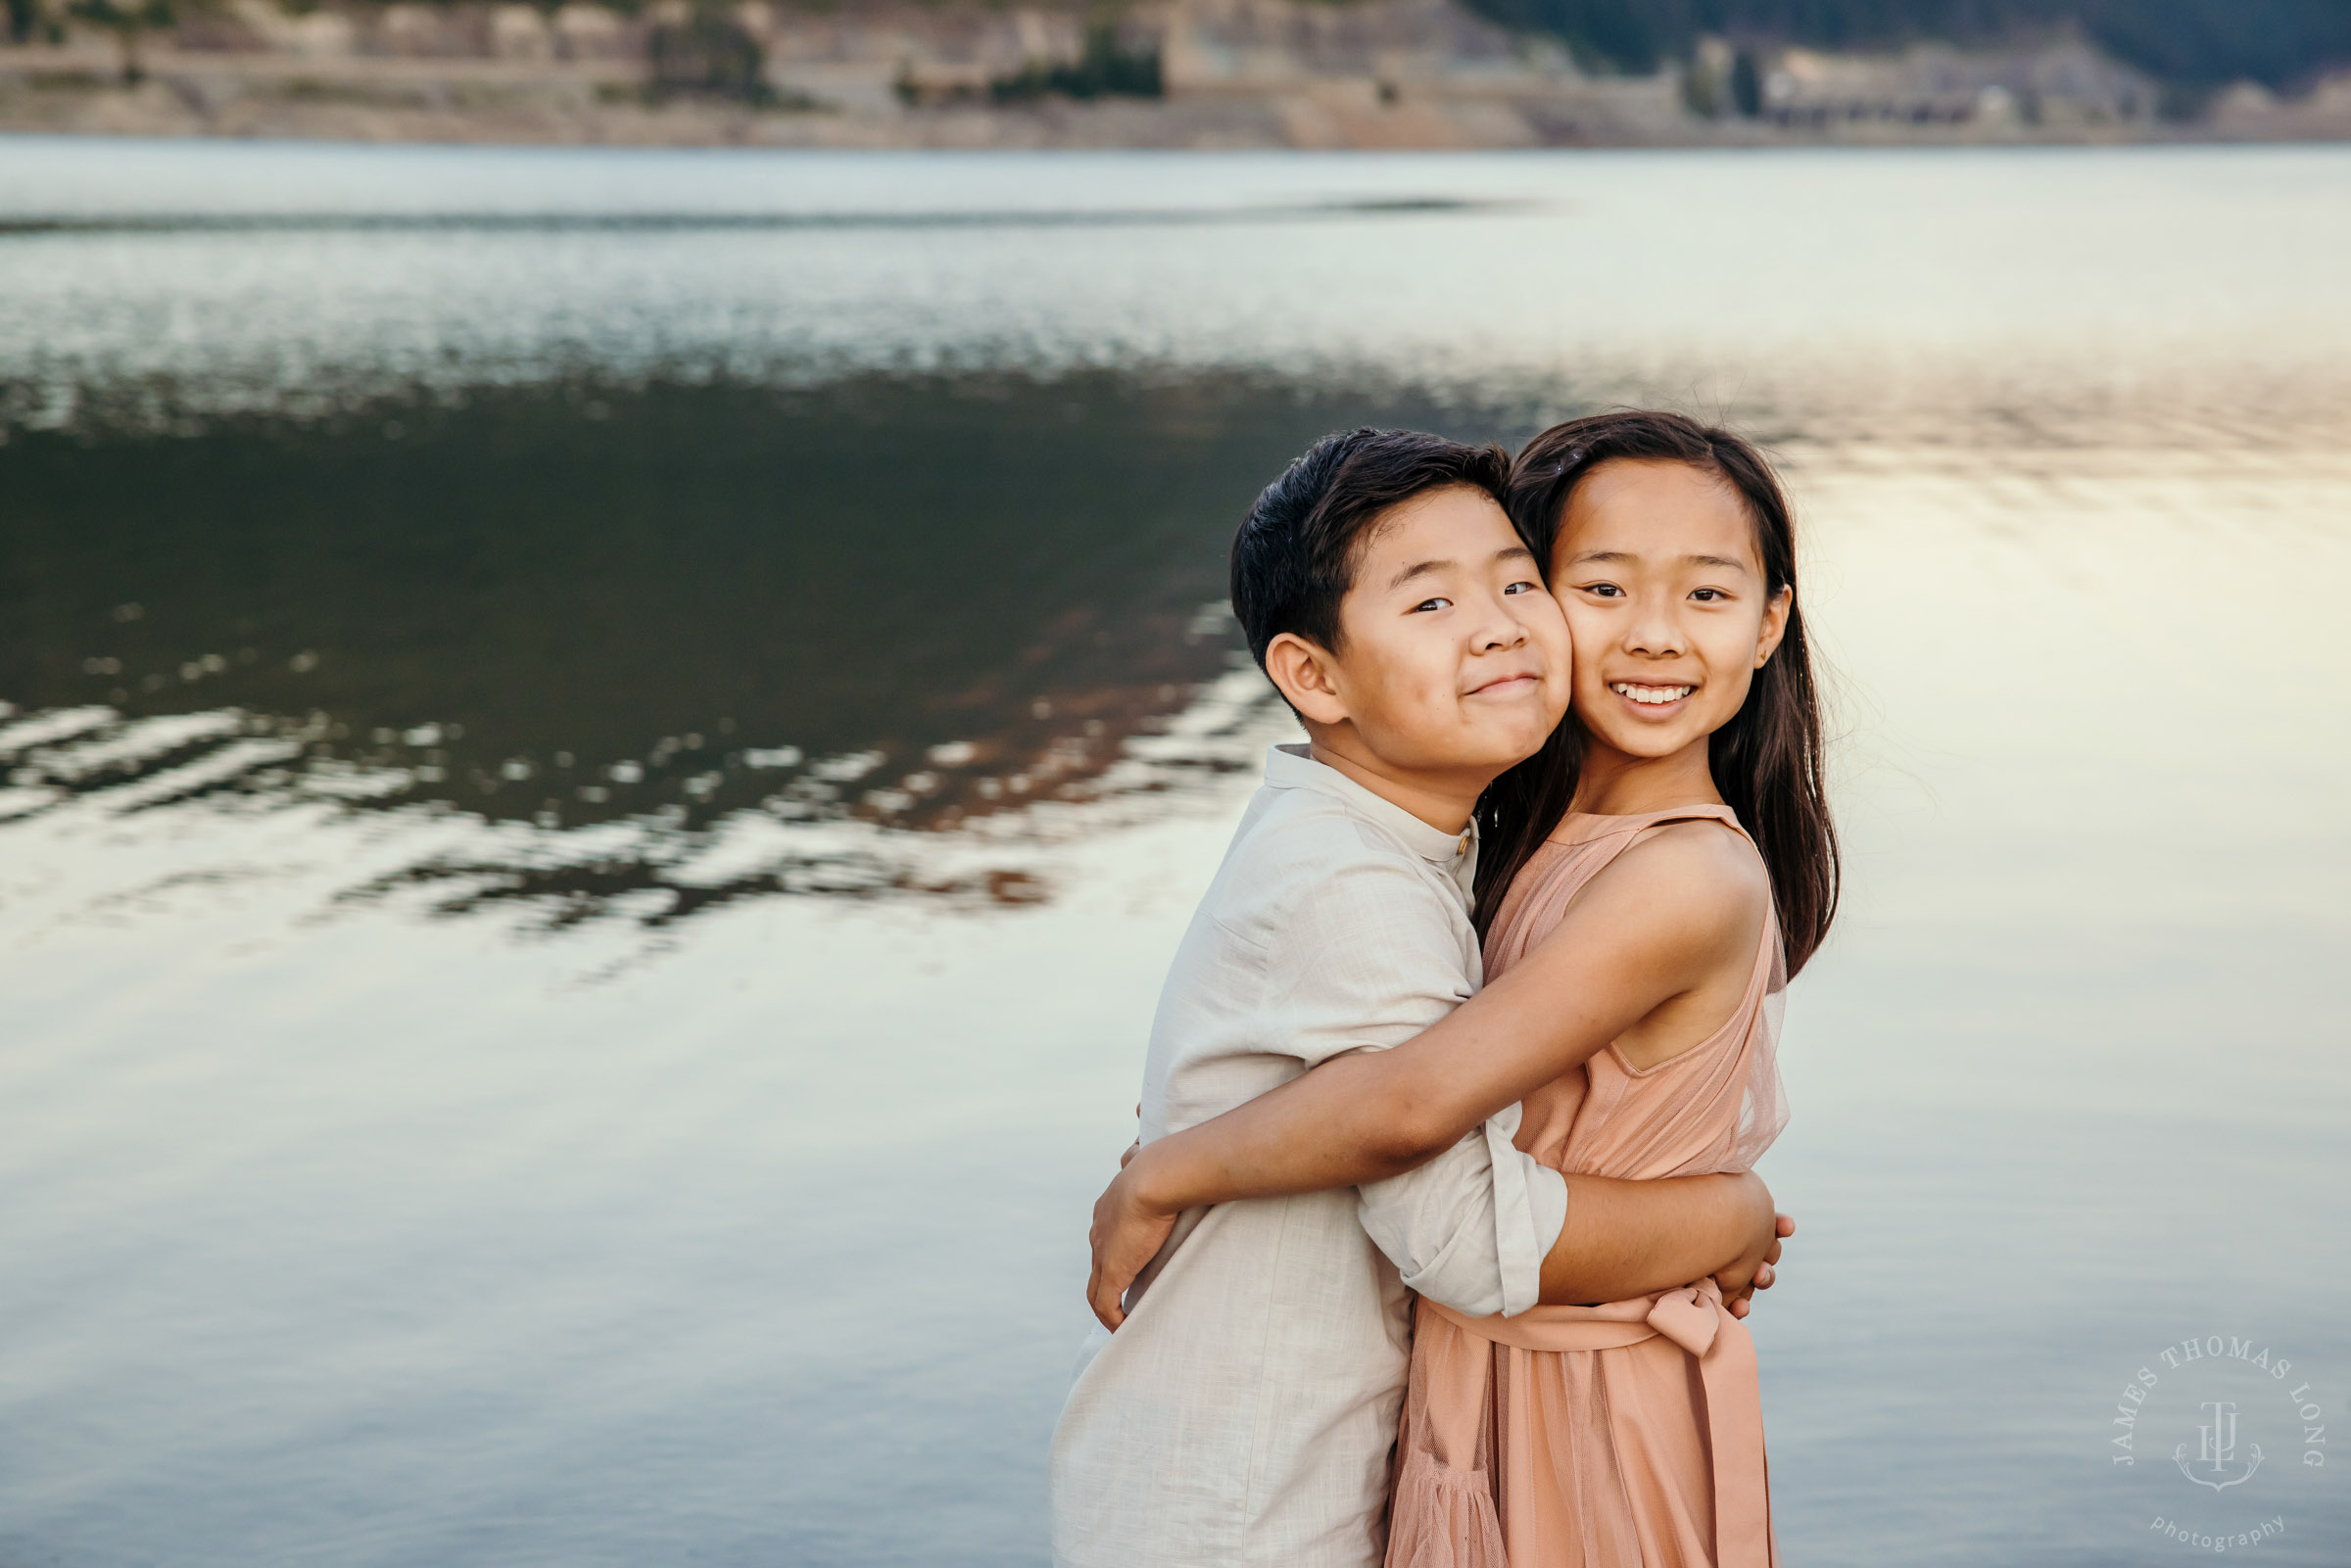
(1628, 1434)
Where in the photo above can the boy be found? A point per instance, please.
(1244, 1409)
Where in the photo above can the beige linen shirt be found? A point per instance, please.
(1243, 1414)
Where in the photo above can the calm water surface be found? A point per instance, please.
(603, 752)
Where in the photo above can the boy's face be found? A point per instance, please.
(1453, 657)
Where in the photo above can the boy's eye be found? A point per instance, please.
(1432, 604)
(1519, 588)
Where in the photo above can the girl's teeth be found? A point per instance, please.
(1653, 695)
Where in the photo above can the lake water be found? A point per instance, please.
(604, 750)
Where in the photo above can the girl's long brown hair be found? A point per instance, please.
(1767, 761)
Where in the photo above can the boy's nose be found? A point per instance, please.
(1503, 633)
(1504, 628)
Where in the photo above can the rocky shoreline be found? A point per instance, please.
(1183, 73)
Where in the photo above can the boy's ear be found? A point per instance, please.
(1307, 677)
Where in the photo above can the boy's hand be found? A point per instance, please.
(1128, 1233)
(1755, 1270)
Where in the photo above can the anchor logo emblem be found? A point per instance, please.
(2215, 1452)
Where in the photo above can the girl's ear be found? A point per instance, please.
(1308, 677)
(1775, 624)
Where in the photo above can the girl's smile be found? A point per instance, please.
(1651, 700)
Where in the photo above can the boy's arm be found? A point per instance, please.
(1621, 1239)
(1471, 1229)
(1627, 944)
(1630, 1238)
(1467, 1229)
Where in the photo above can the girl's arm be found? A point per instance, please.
(1654, 926)
(1657, 923)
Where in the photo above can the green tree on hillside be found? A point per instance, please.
(1108, 69)
(128, 21)
(708, 55)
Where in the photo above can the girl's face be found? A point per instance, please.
(1657, 568)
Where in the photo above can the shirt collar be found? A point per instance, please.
(1292, 766)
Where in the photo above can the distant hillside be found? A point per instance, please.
(2192, 43)
(1364, 73)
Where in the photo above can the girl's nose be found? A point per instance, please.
(1654, 633)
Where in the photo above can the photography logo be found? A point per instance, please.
(2217, 1448)
(2220, 1439)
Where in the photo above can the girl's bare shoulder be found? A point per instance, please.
(1681, 908)
(1699, 874)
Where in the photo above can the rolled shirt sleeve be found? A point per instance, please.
(1472, 1228)
(1377, 955)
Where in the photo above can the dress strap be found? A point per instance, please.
(1614, 836)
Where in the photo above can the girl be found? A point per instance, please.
(1651, 880)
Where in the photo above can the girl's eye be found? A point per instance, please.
(1603, 589)
(1708, 596)
(1432, 604)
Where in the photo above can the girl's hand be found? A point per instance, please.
(1129, 1231)
(1756, 1270)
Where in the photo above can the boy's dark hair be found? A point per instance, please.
(1294, 557)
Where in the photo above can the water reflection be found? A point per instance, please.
(680, 642)
(364, 1241)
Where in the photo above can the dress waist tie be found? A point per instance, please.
(1694, 1317)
